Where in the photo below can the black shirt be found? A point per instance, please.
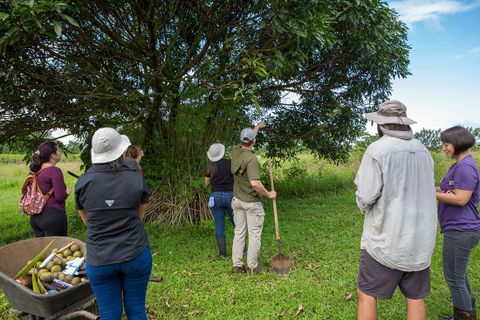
(115, 233)
(220, 175)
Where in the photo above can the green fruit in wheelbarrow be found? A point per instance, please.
(54, 250)
(76, 281)
(38, 263)
(46, 277)
(57, 261)
(75, 247)
(56, 268)
(67, 252)
(68, 278)
(77, 254)
(49, 265)
(61, 276)
(41, 271)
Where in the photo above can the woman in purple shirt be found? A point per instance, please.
(52, 221)
(458, 199)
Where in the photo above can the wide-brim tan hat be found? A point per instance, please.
(108, 145)
(391, 111)
(216, 152)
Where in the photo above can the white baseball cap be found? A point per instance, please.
(108, 145)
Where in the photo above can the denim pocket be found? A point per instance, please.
(211, 202)
(140, 264)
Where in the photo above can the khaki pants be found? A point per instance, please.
(248, 216)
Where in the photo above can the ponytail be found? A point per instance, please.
(116, 164)
(42, 155)
(134, 151)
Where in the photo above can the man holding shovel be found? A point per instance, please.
(396, 192)
(247, 202)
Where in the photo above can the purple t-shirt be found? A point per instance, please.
(461, 175)
(53, 177)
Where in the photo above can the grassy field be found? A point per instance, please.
(320, 227)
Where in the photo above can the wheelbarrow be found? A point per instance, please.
(64, 305)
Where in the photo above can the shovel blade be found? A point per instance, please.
(281, 264)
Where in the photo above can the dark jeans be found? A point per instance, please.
(457, 246)
(223, 204)
(50, 222)
(125, 281)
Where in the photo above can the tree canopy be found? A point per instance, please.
(178, 75)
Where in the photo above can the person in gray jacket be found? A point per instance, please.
(396, 193)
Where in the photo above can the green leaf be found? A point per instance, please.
(32, 262)
(12, 31)
(4, 16)
(37, 23)
(70, 20)
(58, 27)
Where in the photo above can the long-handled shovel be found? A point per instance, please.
(281, 263)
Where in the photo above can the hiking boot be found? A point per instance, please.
(238, 269)
(222, 247)
(459, 314)
(256, 270)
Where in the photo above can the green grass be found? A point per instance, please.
(320, 230)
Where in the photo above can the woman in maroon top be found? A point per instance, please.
(52, 221)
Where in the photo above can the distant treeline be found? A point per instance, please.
(431, 137)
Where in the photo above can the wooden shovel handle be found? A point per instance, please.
(274, 203)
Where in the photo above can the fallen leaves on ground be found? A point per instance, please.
(299, 310)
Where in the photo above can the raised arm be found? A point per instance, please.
(259, 126)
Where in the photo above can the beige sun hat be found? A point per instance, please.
(216, 152)
(108, 145)
(391, 111)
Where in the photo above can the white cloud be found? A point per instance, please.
(430, 11)
(475, 50)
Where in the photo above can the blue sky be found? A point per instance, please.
(444, 88)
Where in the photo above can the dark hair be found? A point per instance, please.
(392, 126)
(42, 154)
(116, 164)
(459, 137)
(212, 169)
(247, 144)
(133, 151)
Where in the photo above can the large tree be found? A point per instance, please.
(177, 75)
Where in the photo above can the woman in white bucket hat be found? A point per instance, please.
(111, 199)
(218, 175)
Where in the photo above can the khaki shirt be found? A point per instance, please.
(245, 167)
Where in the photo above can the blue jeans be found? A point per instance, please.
(223, 204)
(457, 246)
(127, 280)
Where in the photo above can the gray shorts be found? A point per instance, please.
(379, 281)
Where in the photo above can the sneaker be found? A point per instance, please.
(256, 270)
(237, 269)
